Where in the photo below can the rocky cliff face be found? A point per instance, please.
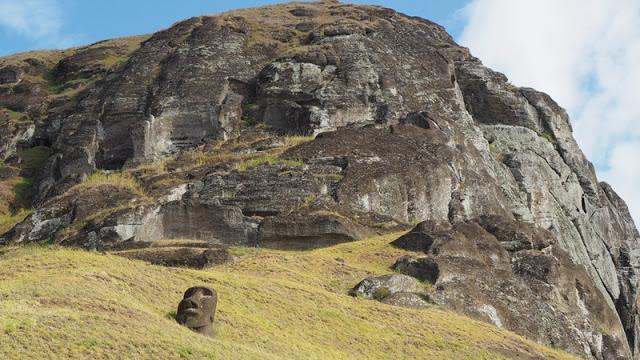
(305, 125)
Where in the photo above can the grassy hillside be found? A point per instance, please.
(61, 303)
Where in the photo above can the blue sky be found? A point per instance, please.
(584, 54)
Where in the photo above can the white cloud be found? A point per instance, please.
(586, 55)
(625, 176)
(39, 21)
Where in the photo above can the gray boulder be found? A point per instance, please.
(381, 287)
(534, 292)
(422, 268)
(409, 300)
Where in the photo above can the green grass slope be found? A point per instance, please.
(61, 303)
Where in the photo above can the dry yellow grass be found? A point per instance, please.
(266, 160)
(117, 179)
(126, 46)
(269, 23)
(231, 152)
(8, 221)
(61, 303)
(15, 200)
(47, 56)
(53, 56)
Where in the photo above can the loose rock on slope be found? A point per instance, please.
(532, 288)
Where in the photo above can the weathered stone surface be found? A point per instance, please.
(52, 221)
(409, 127)
(9, 75)
(186, 253)
(380, 287)
(410, 300)
(41, 225)
(537, 292)
(422, 268)
(420, 238)
(173, 220)
(308, 231)
(197, 309)
(15, 136)
(515, 236)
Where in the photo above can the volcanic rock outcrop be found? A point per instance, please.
(380, 287)
(516, 276)
(196, 254)
(310, 124)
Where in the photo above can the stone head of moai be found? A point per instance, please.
(197, 309)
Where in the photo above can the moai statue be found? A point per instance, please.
(197, 309)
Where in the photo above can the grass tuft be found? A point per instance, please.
(17, 116)
(117, 179)
(115, 62)
(381, 293)
(16, 195)
(185, 352)
(308, 201)
(8, 221)
(549, 137)
(292, 141)
(496, 153)
(267, 160)
(34, 158)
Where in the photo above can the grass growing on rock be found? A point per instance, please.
(17, 116)
(9, 220)
(34, 158)
(204, 158)
(115, 61)
(64, 303)
(267, 160)
(308, 201)
(548, 136)
(16, 193)
(71, 88)
(117, 179)
(15, 200)
(232, 152)
(292, 141)
(496, 153)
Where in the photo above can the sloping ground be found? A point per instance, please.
(193, 133)
(61, 303)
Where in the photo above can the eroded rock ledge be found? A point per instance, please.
(514, 275)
